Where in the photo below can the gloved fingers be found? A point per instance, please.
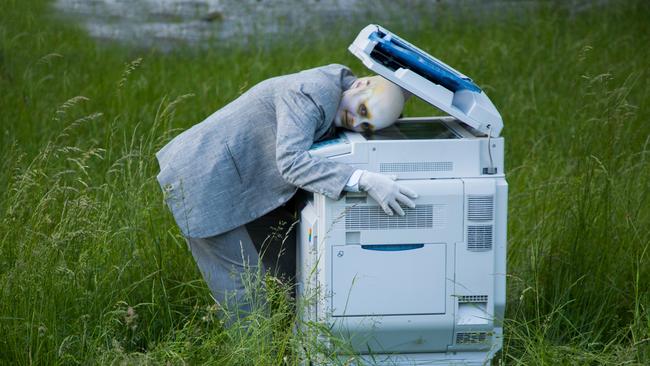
(408, 192)
(386, 208)
(396, 207)
(405, 200)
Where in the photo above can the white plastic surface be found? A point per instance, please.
(372, 282)
(473, 314)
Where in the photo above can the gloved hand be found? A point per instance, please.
(386, 192)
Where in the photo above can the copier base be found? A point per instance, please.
(426, 359)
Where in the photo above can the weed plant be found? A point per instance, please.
(93, 269)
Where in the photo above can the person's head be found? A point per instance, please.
(371, 103)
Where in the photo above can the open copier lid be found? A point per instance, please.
(427, 77)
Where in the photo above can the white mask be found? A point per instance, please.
(371, 103)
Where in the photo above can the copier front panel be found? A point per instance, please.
(370, 280)
(429, 281)
(379, 261)
(389, 279)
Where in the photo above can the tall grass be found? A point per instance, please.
(93, 269)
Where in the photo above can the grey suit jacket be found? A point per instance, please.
(251, 156)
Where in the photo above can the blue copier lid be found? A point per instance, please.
(427, 77)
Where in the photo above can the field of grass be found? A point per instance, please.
(93, 269)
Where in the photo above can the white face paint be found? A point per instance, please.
(371, 103)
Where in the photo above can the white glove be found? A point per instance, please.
(386, 192)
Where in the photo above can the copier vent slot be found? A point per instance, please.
(480, 208)
(472, 298)
(479, 238)
(349, 199)
(471, 337)
(419, 166)
(372, 217)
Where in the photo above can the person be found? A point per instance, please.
(246, 160)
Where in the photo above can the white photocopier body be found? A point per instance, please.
(426, 288)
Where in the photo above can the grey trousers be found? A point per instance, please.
(231, 265)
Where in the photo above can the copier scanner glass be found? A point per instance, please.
(413, 131)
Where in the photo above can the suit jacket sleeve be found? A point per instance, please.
(299, 117)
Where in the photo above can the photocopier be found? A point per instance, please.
(426, 288)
